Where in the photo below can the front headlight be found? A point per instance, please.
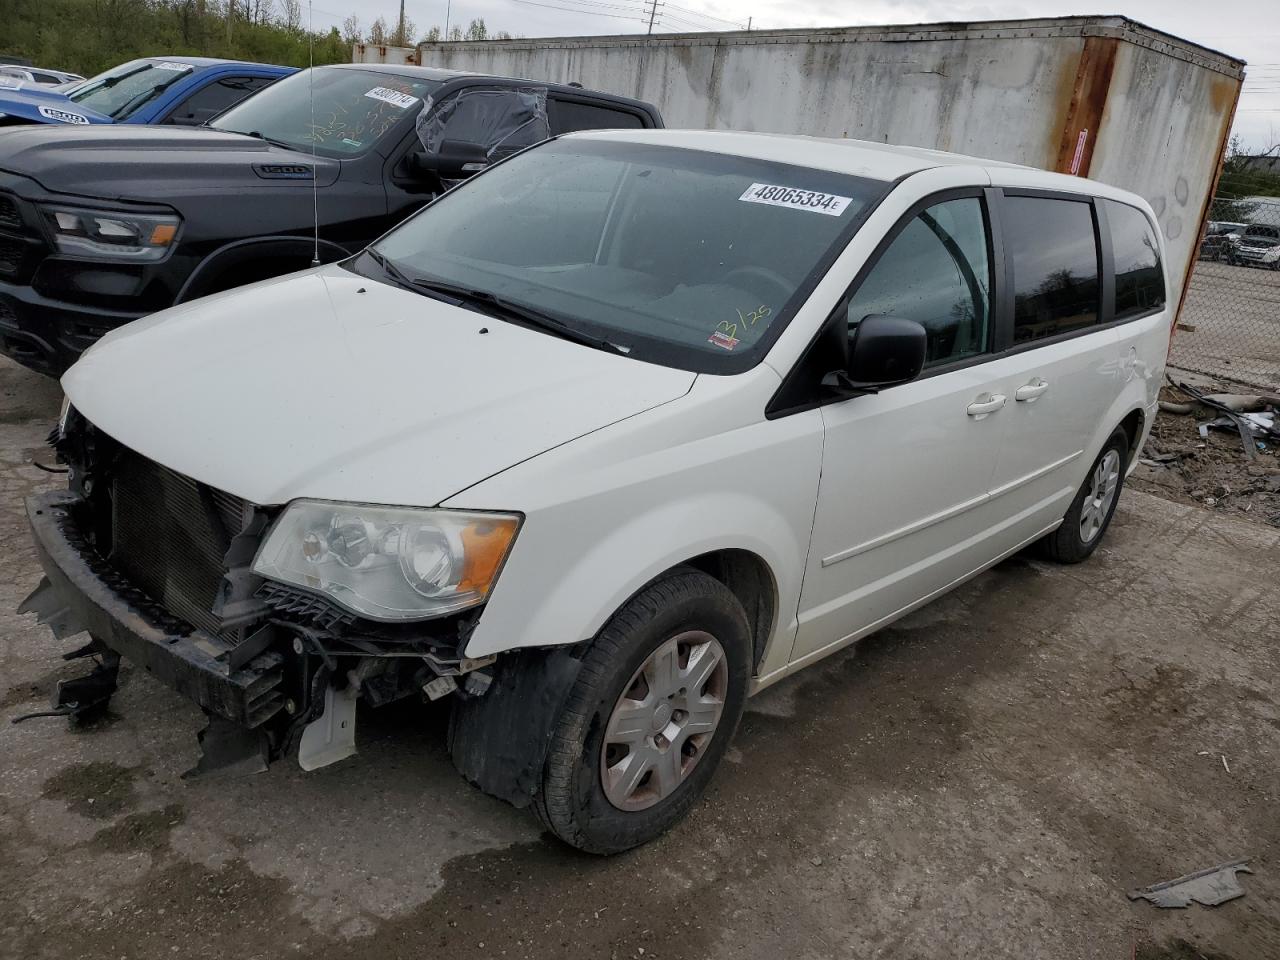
(112, 235)
(388, 563)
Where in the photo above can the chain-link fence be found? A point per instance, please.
(1230, 321)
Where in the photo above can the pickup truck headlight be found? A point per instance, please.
(388, 563)
(112, 235)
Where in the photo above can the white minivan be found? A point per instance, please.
(600, 443)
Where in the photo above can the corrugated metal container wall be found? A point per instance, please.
(1099, 96)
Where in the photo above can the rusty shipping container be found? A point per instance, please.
(1103, 97)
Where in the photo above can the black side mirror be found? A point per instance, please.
(456, 160)
(883, 351)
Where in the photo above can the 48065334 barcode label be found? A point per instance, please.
(811, 200)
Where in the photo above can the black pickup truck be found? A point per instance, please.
(102, 225)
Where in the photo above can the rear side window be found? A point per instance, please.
(1136, 251)
(936, 272)
(209, 101)
(1055, 265)
(566, 116)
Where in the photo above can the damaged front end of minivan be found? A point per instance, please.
(163, 570)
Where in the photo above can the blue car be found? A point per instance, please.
(180, 90)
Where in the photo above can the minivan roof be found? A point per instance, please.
(863, 158)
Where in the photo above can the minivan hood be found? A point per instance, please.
(330, 385)
(137, 162)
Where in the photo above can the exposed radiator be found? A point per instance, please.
(170, 535)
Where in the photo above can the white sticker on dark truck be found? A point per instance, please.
(811, 200)
(62, 116)
(394, 97)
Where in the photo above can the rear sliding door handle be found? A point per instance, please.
(986, 404)
(1029, 391)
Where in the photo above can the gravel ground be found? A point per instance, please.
(986, 778)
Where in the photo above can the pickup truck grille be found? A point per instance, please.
(170, 535)
(9, 217)
(11, 252)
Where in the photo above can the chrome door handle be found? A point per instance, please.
(1030, 391)
(986, 404)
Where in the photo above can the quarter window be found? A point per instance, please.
(1055, 265)
(1136, 251)
(936, 272)
(566, 116)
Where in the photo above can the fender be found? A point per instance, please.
(1140, 392)
(628, 557)
(610, 511)
(239, 251)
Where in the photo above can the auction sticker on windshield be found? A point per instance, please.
(176, 67)
(402, 100)
(810, 200)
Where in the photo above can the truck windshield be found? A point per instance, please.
(124, 89)
(354, 109)
(684, 257)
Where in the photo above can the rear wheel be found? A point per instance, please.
(1090, 513)
(655, 705)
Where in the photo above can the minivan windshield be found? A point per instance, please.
(354, 110)
(685, 257)
(120, 91)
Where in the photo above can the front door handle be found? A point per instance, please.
(1030, 391)
(986, 404)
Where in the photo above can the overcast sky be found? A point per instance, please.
(1249, 29)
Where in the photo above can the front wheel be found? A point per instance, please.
(1090, 513)
(656, 702)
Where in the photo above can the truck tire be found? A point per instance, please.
(1089, 515)
(655, 704)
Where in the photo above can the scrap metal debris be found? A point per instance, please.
(1208, 887)
(1253, 417)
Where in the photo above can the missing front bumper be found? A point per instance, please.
(195, 664)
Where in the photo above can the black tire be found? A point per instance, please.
(1066, 544)
(571, 802)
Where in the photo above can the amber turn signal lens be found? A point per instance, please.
(485, 546)
(162, 234)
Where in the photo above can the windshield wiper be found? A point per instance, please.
(506, 309)
(395, 274)
(256, 135)
(490, 303)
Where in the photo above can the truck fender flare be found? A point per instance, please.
(240, 250)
